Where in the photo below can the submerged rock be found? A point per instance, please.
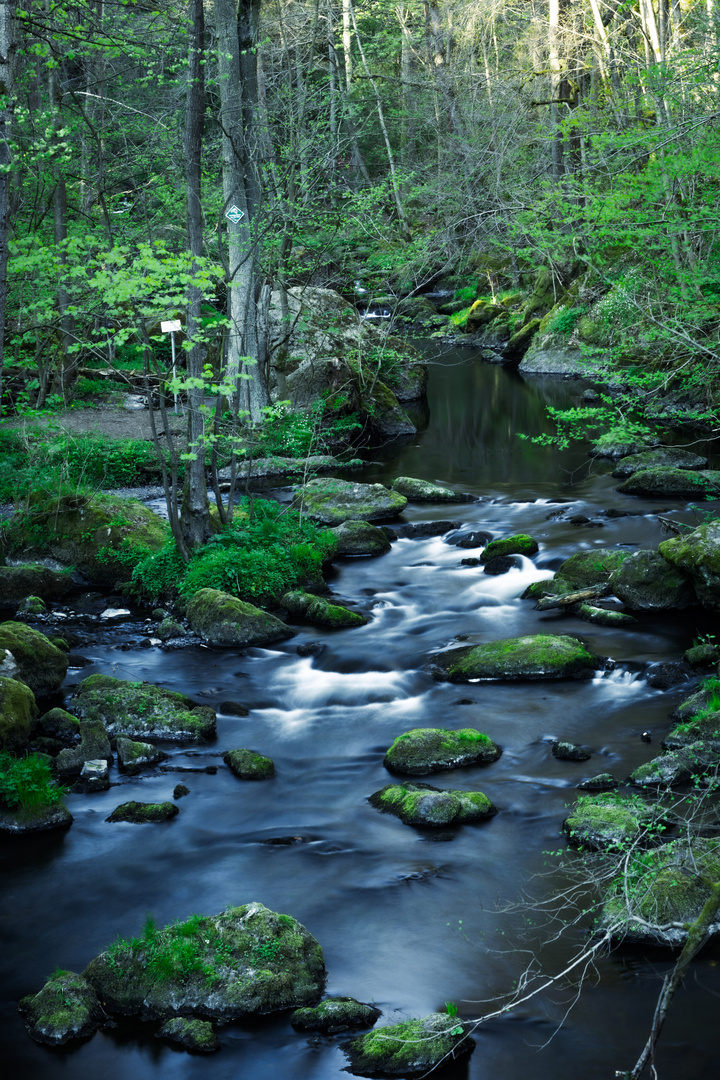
(536, 656)
(425, 491)
(223, 620)
(697, 556)
(422, 804)
(142, 711)
(519, 544)
(335, 1014)
(247, 765)
(140, 813)
(664, 457)
(411, 1048)
(611, 822)
(429, 750)
(17, 714)
(66, 1008)
(32, 658)
(320, 612)
(332, 502)
(259, 962)
(197, 1035)
(360, 538)
(646, 581)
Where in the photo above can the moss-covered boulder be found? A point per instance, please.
(66, 1008)
(646, 581)
(481, 313)
(139, 710)
(591, 567)
(60, 725)
(520, 341)
(673, 483)
(429, 750)
(601, 616)
(616, 444)
(248, 765)
(222, 620)
(31, 658)
(410, 1048)
(246, 960)
(100, 535)
(335, 1014)
(195, 1035)
(360, 538)
(170, 629)
(35, 819)
(422, 804)
(697, 556)
(602, 782)
(141, 813)
(665, 457)
(32, 579)
(535, 656)
(332, 501)
(662, 892)
(424, 491)
(94, 745)
(677, 766)
(18, 712)
(519, 544)
(320, 612)
(612, 822)
(32, 605)
(135, 756)
(703, 729)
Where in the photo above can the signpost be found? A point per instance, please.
(235, 214)
(171, 327)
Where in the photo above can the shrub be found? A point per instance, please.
(27, 783)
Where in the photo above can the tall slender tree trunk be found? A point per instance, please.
(7, 65)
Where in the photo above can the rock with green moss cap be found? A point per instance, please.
(360, 538)
(35, 819)
(703, 702)
(169, 629)
(331, 501)
(428, 750)
(32, 579)
(196, 1035)
(141, 813)
(704, 655)
(31, 658)
(32, 605)
(66, 1008)
(519, 544)
(673, 457)
(320, 612)
(617, 444)
(646, 581)
(704, 729)
(678, 766)
(587, 568)
(611, 822)
(248, 765)
(670, 886)
(411, 1048)
(94, 745)
(260, 962)
(677, 483)
(139, 710)
(422, 804)
(535, 656)
(697, 556)
(424, 491)
(17, 714)
(135, 756)
(335, 1014)
(223, 620)
(551, 586)
(60, 725)
(602, 782)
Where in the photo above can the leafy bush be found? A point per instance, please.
(566, 320)
(27, 783)
(90, 388)
(287, 433)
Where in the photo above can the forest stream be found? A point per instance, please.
(407, 919)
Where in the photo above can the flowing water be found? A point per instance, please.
(407, 919)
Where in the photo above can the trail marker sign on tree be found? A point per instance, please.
(235, 214)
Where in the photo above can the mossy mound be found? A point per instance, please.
(672, 457)
(611, 822)
(195, 1035)
(422, 804)
(247, 765)
(320, 612)
(678, 766)
(32, 579)
(424, 491)
(678, 483)
(222, 620)
(335, 1014)
(66, 1008)
(646, 581)
(554, 586)
(360, 538)
(331, 501)
(17, 714)
(140, 813)
(35, 819)
(169, 629)
(662, 892)
(429, 750)
(32, 605)
(33, 659)
(94, 746)
(410, 1048)
(244, 961)
(697, 555)
(519, 544)
(602, 782)
(142, 711)
(536, 656)
(59, 724)
(135, 756)
(587, 568)
(102, 535)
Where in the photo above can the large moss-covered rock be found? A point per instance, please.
(142, 711)
(244, 961)
(66, 1008)
(99, 535)
(611, 822)
(666, 457)
(17, 714)
(697, 555)
(248, 765)
(31, 658)
(677, 483)
(591, 567)
(428, 750)
(424, 491)
(519, 544)
(223, 620)
(520, 341)
(320, 612)
(335, 1014)
(422, 804)
(704, 729)
(678, 766)
(35, 819)
(332, 501)
(94, 746)
(481, 313)
(410, 1048)
(60, 725)
(142, 813)
(535, 656)
(662, 892)
(32, 579)
(360, 538)
(646, 581)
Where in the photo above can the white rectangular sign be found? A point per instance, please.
(171, 326)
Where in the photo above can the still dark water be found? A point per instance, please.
(404, 922)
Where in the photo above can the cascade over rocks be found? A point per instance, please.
(536, 656)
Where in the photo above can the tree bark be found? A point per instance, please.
(7, 65)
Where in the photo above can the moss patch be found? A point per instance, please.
(140, 813)
(320, 612)
(611, 822)
(247, 765)
(429, 750)
(38, 662)
(141, 710)
(66, 1008)
(410, 1048)
(223, 620)
(421, 804)
(519, 544)
(536, 656)
(17, 714)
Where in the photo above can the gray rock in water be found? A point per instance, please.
(66, 1008)
(94, 746)
(360, 538)
(424, 491)
(697, 556)
(320, 612)
(535, 656)
(335, 1014)
(428, 750)
(223, 620)
(94, 776)
(247, 765)
(196, 1035)
(646, 581)
(602, 782)
(678, 766)
(424, 805)
(142, 711)
(332, 501)
(567, 751)
(412, 1048)
(664, 457)
(140, 813)
(610, 822)
(135, 756)
(704, 484)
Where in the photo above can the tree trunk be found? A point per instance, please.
(7, 64)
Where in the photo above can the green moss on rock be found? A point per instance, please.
(428, 750)
(587, 568)
(222, 620)
(66, 1008)
(411, 1048)
(664, 457)
(335, 1014)
(646, 581)
(320, 612)
(247, 765)
(31, 658)
(697, 556)
(17, 714)
(331, 501)
(135, 756)
(195, 1035)
(519, 544)
(535, 656)
(94, 746)
(32, 579)
(424, 805)
(140, 813)
(680, 483)
(360, 538)
(142, 711)
(424, 491)
(611, 822)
